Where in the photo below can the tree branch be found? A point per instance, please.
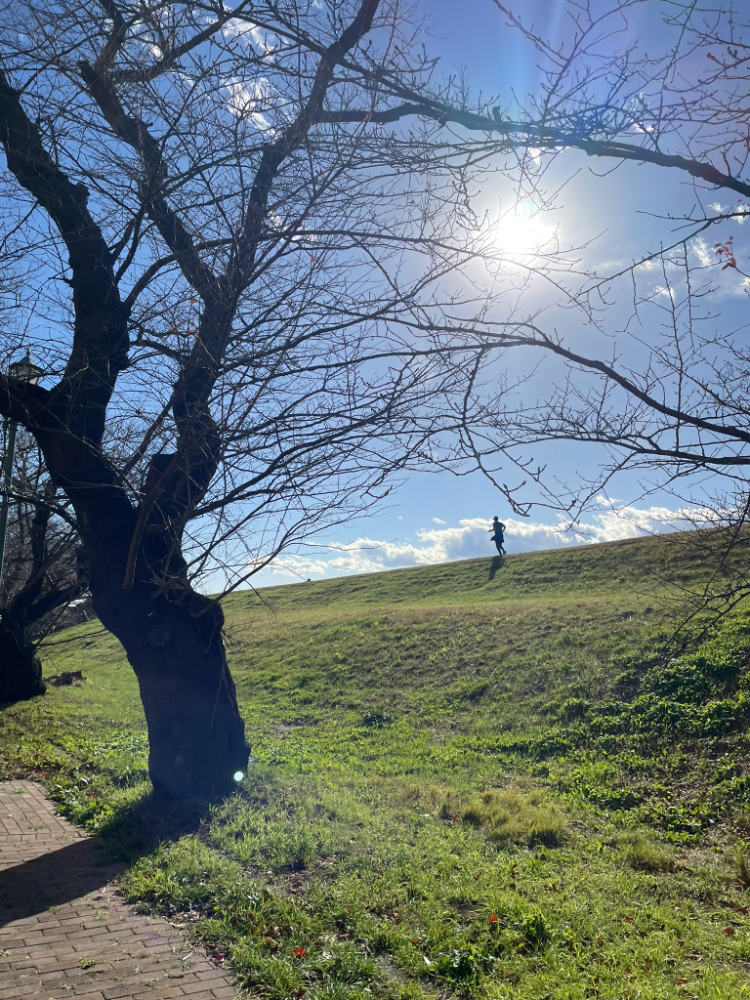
(537, 136)
(632, 389)
(133, 131)
(100, 343)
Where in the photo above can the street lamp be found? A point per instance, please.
(24, 371)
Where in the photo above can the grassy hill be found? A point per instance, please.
(488, 779)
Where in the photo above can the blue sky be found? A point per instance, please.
(607, 216)
(434, 517)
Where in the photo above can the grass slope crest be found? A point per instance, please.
(469, 780)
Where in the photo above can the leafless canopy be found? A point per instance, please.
(651, 351)
(279, 204)
(221, 241)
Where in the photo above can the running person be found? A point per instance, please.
(498, 538)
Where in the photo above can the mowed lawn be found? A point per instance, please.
(478, 779)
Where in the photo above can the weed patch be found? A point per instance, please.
(510, 817)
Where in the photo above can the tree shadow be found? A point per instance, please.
(83, 866)
(54, 878)
(495, 566)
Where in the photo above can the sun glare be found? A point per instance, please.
(523, 230)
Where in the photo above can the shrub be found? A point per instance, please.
(534, 929)
(458, 963)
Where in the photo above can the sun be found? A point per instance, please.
(523, 231)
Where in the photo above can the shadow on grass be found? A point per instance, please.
(495, 566)
(151, 821)
(73, 870)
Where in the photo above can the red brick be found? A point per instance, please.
(44, 949)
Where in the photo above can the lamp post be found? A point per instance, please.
(25, 371)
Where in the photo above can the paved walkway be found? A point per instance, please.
(64, 931)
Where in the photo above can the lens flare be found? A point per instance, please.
(238, 775)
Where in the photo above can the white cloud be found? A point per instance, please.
(702, 251)
(743, 211)
(470, 539)
(436, 520)
(236, 28)
(248, 100)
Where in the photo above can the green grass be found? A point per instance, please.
(467, 780)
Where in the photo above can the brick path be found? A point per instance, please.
(64, 931)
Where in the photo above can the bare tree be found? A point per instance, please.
(671, 393)
(247, 243)
(42, 572)
(666, 388)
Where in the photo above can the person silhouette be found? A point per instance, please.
(498, 538)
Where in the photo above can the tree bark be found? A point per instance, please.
(196, 734)
(20, 670)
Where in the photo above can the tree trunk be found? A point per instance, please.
(172, 636)
(20, 670)
(197, 746)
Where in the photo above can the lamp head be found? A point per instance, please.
(25, 370)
